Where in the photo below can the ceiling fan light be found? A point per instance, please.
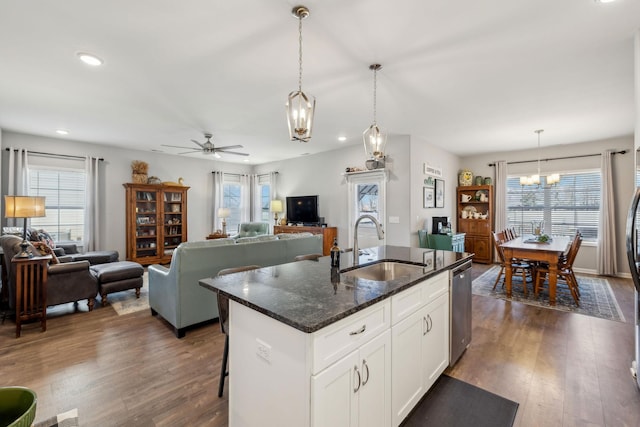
(300, 110)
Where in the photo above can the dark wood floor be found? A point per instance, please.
(564, 369)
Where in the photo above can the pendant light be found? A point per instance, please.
(300, 106)
(535, 179)
(374, 137)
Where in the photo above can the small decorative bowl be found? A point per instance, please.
(17, 406)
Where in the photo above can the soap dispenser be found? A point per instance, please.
(335, 254)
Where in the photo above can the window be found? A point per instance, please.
(264, 196)
(572, 204)
(64, 190)
(232, 199)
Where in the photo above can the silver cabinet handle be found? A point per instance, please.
(365, 367)
(355, 389)
(430, 323)
(359, 331)
(425, 326)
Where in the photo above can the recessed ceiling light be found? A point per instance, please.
(342, 138)
(246, 160)
(90, 59)
(605, 1)
(62, 132)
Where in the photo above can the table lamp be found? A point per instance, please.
(24, 207)
(276, 208)
(224, 213)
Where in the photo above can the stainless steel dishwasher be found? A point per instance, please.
(460, 311)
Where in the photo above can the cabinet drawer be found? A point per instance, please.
(435, 286)
(407, 302)
(337, 340)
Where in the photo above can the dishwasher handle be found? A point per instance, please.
(462, 269)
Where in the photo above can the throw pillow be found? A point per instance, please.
(43, 236)
(43, 249)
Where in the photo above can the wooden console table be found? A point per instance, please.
(328, 234)
(31, 290)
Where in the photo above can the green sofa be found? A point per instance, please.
(176, 295)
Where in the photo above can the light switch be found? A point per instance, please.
(394, 220)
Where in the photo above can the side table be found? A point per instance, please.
(31, 290)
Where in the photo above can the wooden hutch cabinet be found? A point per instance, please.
(156, 221)
(475, 219)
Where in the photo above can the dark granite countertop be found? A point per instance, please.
(309, 295)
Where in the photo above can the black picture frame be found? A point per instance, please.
(428, 197)
(439, 196)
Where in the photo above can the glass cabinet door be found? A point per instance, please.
(172, 221)
(146, 224)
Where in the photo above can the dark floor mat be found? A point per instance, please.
(454, 403)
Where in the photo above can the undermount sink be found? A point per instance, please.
(385, 271)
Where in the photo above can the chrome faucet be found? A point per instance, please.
(355, 235)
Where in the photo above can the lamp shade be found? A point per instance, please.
(276, 206)
(224, 212)
(24, 206)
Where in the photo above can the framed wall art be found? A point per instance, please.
(428, 197)
(439, 189)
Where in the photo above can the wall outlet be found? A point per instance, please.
(263, 350)
(394, 220)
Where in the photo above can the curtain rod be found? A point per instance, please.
(232, 173)
(63, 156)
(560, 158)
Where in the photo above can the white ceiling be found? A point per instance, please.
(470, 76)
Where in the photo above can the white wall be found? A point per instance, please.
(117, 170)
(323, 174)
(623, 181)
(422, 152)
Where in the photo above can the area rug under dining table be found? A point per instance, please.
(596, 296)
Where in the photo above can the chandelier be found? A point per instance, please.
(300, 106)
(374, 137)
(535, 179)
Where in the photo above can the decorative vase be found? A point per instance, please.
(487, 181)
(479, 180)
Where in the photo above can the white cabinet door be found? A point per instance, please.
(356, 390)
(406, 365)
(374, 406)
(435, 344)
(334, 393)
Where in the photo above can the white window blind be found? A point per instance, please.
(572, 204)
(65, 202)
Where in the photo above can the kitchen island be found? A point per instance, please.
(312, 345)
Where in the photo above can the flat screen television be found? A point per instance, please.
(302, 209)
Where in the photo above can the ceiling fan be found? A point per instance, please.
(209, 148)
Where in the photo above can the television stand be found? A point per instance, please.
(328, 234)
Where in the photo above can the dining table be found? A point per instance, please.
(527, 247)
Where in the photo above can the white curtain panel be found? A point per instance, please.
(606, 252)
(245, 196)
(500, 192)
(218, 198)
(17, 179)
(92, 238)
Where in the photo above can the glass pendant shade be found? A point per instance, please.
(300, 106)
(375, 140)
(300, 109)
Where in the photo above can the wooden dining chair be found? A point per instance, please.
(565, 271)
(223, 314)
(509, 234)
(517, 266)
